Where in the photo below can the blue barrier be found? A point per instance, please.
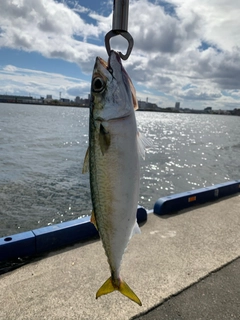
(63, 234)
(23, 243)
(52, 237)
(184, 200)
(67, 233)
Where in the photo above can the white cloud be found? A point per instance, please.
(9, 68)
(49, 28)
(193, 94)
(220, 18)
(179, 44)
(47, 16)
(39, 83)
(155, 31)
(171, 51)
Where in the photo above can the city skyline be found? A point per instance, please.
(85, 103)
(189, 54)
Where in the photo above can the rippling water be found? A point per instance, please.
(42, 150)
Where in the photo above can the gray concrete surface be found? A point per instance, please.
(216, 297)
(172, 253)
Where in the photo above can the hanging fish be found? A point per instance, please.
(113, 161)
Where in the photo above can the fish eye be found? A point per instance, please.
(98, 84)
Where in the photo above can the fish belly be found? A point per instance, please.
(114, 179)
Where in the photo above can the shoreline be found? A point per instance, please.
(167, 110)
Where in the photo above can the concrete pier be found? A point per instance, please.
(172, 253)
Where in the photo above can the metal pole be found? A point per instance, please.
(120, 15)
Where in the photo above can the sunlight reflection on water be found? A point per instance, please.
(187, 153)
(42, 151)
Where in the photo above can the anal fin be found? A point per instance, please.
(135, 229)
(93, 220)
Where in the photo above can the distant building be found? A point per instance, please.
(236, 112)
(65, 100)
(49, 97)
(77, 99)
(148, 106)
(15, 99)
(177, 105)
(208, 109)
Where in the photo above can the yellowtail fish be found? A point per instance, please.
(113, 161)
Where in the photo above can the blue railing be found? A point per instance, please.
(53, 237)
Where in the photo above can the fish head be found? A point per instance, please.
(112, 93)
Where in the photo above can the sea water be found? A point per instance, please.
(42, 149)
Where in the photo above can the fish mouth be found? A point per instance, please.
(107, 65)
(114, 68)
(102, 62)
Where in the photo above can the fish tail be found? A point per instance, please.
(110, 286)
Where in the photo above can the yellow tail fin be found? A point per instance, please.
(109, 286)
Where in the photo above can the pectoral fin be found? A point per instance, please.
(143, 143)
(104, 139)
(85, 168)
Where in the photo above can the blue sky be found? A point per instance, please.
(187, 51)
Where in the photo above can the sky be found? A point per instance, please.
(184, 50)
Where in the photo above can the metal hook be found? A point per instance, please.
(125, 35)
(120, 25)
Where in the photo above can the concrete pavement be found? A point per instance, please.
(172, 253)
(216, 297)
